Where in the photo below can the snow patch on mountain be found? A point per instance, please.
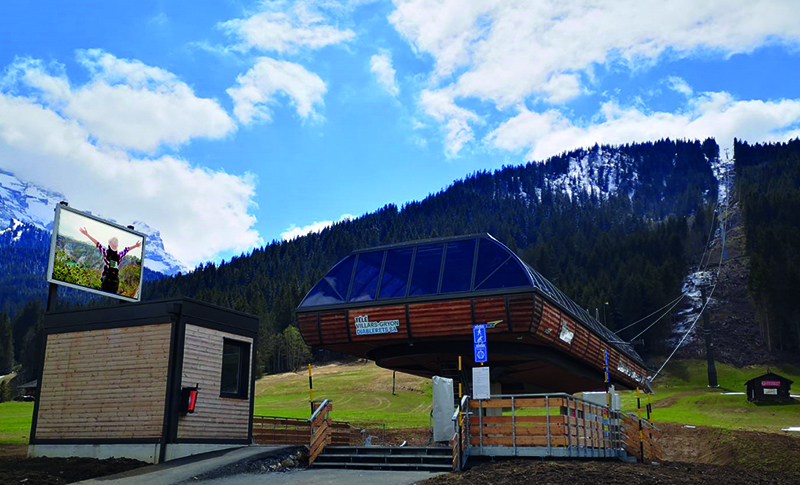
(599, 173)
(15, 230)
(691, 305)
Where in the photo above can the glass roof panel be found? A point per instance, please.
(427, 265)
(365, 280)
(509, 275)
(395, 273)
(332, 288)
(458, 262)
(490, 256)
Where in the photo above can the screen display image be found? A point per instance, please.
(96, 255)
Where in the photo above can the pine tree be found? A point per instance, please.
(6, 344)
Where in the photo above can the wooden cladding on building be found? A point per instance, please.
(104, 384)
(519, 318)
(214, 416)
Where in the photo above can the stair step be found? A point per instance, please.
(371, 456)
(386, 466)
(389, 450)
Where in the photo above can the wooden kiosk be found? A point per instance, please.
(117, 381)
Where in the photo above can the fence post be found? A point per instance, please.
(547, 411)
(639, 415)
(513, 426)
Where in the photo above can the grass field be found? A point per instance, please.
(682, 396)
(362, 393)
(15, 422)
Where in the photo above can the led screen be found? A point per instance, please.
(99, 256)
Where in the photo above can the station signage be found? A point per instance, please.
(771, 383)
(481, 387)
(479, 343)
(366, 327)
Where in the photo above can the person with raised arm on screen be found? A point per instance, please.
(110, 278)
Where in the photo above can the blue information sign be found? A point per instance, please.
(479, 339)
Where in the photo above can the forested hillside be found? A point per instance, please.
(768, 184)
(605, 224)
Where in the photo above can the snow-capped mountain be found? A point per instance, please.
(156, 258)
(23, 204)
(26, 202)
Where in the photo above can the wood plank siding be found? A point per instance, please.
(519, 320)
(214, 416)
(105, 384)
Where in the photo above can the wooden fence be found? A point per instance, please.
(315, 432)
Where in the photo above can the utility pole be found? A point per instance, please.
(712, 369)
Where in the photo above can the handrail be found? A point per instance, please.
(458, 437)
(461, 405)
(319, 409)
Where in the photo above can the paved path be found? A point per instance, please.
(185, 469)
(317, 476)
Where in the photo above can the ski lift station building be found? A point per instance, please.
(411, 307)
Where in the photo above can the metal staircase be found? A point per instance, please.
(434, 459)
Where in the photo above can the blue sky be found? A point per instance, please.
(227, 125)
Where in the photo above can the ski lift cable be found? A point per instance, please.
(686, 335)
(708, 239)
(648, 316)
(659, 318)
(688, 332)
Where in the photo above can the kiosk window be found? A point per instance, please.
(235, 369)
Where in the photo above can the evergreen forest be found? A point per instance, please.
(617, 236)
(768, 186)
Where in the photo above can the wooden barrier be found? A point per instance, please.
(578, 427)
(636, 443)
(269, 430)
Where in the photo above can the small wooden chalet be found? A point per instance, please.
(768, 388)
(152, 381)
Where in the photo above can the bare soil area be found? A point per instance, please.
(692, 456)
(16, 468)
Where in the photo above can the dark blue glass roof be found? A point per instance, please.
(447, 266)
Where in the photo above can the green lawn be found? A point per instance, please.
(15, 422)
(682, 396)
(361, 393)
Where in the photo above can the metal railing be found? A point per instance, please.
(546, 425)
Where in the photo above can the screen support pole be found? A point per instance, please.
(52, 297)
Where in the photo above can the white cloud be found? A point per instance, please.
(381, 66)
(440, 105)
(258, 87)
(286, 31)
(716, 115)
(508, 51)
(126, 104)
(293, 231)
(679, 85)
(199, 212)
